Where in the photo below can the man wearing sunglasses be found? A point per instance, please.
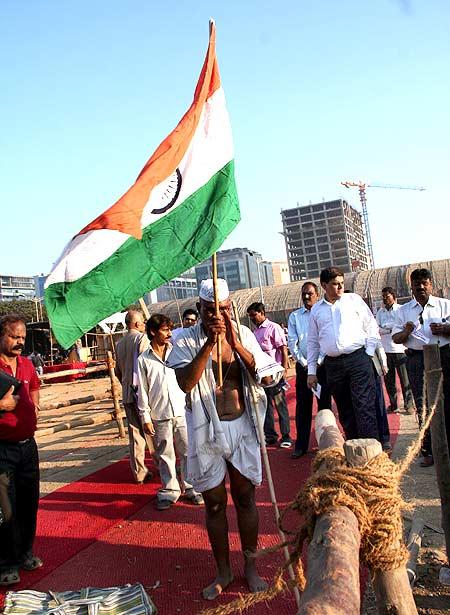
(424, 320)
(189, 319)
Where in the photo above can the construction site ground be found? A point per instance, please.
(72, 454)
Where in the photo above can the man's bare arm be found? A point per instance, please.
(285, 359)
(189, 375)
(232, 338)
(402, 336)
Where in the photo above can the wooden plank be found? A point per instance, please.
(70, 372)
(115, 395)
(392, 589)
(441, 455)
(414, 544)
(332, 580)
(101, 417)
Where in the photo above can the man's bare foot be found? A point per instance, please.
(217, 586)
(254, 581)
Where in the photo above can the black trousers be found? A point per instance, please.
(415, 367)
(20, 462)
(397, 364)
(276, 397)
(380, 409)
(304, 404)
(351, 382)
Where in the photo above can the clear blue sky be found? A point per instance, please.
(318, 92)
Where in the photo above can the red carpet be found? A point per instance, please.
(104, 530)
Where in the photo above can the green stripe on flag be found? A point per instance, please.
(169, 246)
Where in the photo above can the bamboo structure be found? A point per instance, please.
(216, 306)
(71, 372)
(115, 396)
(433, 374)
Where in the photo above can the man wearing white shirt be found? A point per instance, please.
(161, 405)
(189, 319)
(298, 326)
(424, 320)
(343, 328)
(134, 343)
(395, 353)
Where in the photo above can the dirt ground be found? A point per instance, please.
(69, 455)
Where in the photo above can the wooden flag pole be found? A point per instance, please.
(273, 499)
(144, 308)
(216, 306)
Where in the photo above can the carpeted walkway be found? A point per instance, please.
(103, 530)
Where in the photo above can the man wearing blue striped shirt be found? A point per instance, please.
(298, 326)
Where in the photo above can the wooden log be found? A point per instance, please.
(144, 308)
(392, 589)
(414, 544)
(361, 451)
(69, 372)
(433, 374)
(332, 580)
(393, 592)
(102, 417)
(72, 402)
(332, 584)
(325, 427)
(115, 395)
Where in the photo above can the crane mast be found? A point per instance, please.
(365, 216)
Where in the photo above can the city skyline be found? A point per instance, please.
(317, 95)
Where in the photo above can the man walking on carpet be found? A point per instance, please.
(128, 350)
(272, 340)
(395, 353)
(298, 325)
(161, 405)
(221, 428)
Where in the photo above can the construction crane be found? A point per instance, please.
(362, 197)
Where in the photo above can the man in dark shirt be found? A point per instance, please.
(19, 462)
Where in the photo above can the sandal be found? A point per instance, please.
(9, 577)
(164, 504)
(31, 563)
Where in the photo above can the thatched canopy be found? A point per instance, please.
(281, 300)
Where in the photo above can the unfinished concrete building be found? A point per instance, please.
(323, 234)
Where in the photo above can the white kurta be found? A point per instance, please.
(207, 439)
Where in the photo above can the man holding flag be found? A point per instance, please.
(221, 425)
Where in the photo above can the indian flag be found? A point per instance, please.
(177, 213)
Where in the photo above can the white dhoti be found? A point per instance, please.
(244, 455)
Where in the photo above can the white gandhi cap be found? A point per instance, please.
(207, 290)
